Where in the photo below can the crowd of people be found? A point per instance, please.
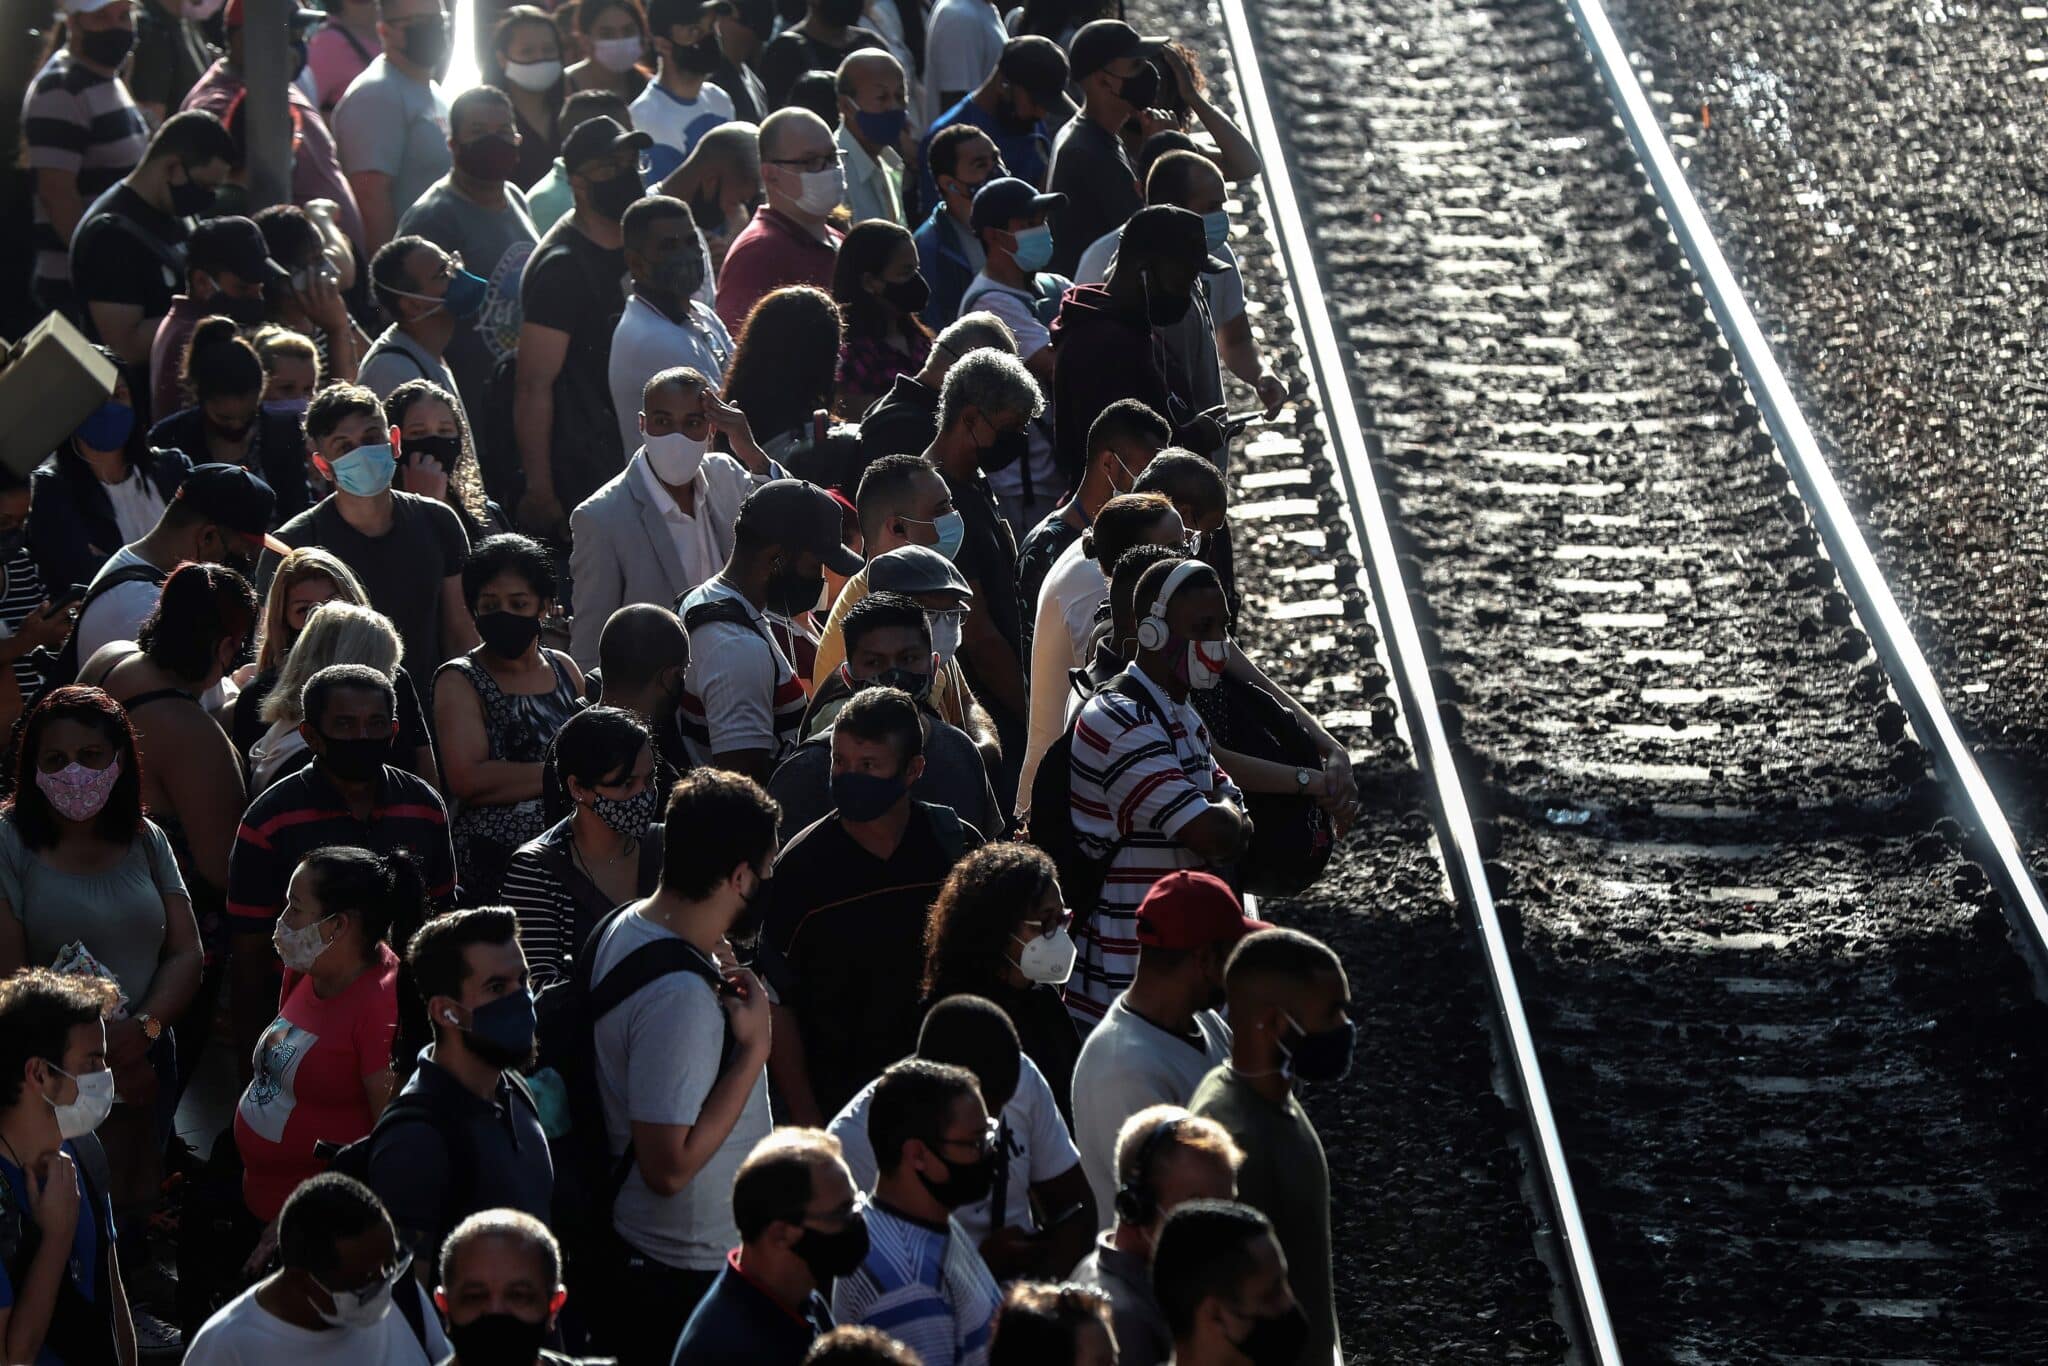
(650, 659)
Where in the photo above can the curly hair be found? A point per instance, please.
(787, 360)
(967, 936)
(465, 485)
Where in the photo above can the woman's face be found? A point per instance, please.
(302, 597)
(1042, 920)
(302, 900)
(901, 265)
(291, 378)
(510, 592)
(531, 42)
(229, 416)
(428, 417)
(616, 22)
(69, 742)
(623, 785)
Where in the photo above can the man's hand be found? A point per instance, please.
(747, 1011)
(53, 1194)
(541, 513)
(1271, 391)
(324, 305)
(1183, 79)
(40, 629)
(730, 423)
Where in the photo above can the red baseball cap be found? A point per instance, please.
(1191, 910)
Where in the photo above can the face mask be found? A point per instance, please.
(822, 191)
(507, 635)
(883, 129)
(442, 450)
(191, 199)
(465, 294)
(498, 1337)
(679, 276)
(501, 1032)
(227, 433)
(246, 310)
(365, 471)
(1033, 248)
(629, 816)
(108, 427)
(952, 529)
(674, 456)
(613, 197)
(616, 54)
(299, 949)
(1140, 90)
(1047, 958)
(832, 1255)
(534, 76)
(945, 635)
(361, 1308)
(1204, 663)
(965, 1183)
(287, 407)
(1325, 1056)
(1164, 312)
(1005, 450)
(79, 792)
(866, 796)
(790, 593)
(700, 58)
(1277, 1339)
(918, 685)
(95, 1102)
(1216, 228)
(426, 42)
(491, 158)
(840, 13)
(108, 47)
(908, 296)
(354, 761)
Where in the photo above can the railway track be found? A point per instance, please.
(1739, 944)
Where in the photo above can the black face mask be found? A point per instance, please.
(700, 58)
(504, 1338)
(790, 593)
(445, 450)
(108, 47)
(191, 199)
(966, 1183)
(1277, 1339)
(1322, 1056)
(1006, 450)
(909, 296)
(613, 197)
(1164, 310)
(1140, 90)
(680, 275)
(230, 433)
(354, 761)
(507, 634)
(832, 1255)
(246, 310)
(426, 42)
(918, 685)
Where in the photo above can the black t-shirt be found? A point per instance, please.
(127, 251)
(1092, 170)
(988, 557)
(844, 943)
(1044, 544)
(575, 286)
(794, 52)
(903, 421)
(401, 570)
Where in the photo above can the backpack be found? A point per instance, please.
(80, 1330)
(587, 1177)
(61, 668)
(1050, 825)
(1292, 837)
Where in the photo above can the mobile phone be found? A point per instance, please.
(64, 600)
(1237, 422)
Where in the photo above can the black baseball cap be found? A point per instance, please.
(798, 514)
(595, 139)
(1035, 65)
(1104, 41)
(1000, 201)
(230, 496)
(1172, 233)
(663, 15)
(236, 245)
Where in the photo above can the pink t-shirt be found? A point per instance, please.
(335, 60)
(310, 1065)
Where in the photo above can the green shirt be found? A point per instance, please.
(1285, 1178)
(550, 199)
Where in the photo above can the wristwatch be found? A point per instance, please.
(152, 1027)
(1302, 778)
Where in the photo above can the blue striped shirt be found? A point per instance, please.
(926, 1288)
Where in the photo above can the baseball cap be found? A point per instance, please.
(663, 15)
(1171, 232)
(1192, 910)
(1000, 201)
(798, 514)
(1105, 41)
(234, 244)
(601, 137)
(230, 496)
(916, 569)
(300, 18)
(1037, 66)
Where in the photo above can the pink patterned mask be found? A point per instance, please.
(79, 792)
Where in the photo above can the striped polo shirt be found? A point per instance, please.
(928, 1288)
(740, 691)
(85, 124)
(1137, 781)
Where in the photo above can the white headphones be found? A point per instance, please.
(1152, 631)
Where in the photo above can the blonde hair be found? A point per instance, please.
(336, 633)
(272, 342)
(1192, 1133)
(307, 562)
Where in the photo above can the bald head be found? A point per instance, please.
(791, 133)
(640, 642)
(867, 65)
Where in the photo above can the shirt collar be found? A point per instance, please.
(867, 166)
(732, 1265)
(653, 488)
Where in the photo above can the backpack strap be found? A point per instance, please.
(731, 611)
(948, 829)
(412, 1308)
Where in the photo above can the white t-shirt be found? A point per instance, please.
(740, 691)
(675, 124)
(1040, 1149)
(657, 1060)
(137, 505)
(646, 342)
(1061, 630)
(962, 44)
(1225, 290)
(118, 613)
(244, 1333)
(1126, 1064)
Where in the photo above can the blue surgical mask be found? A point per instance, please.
(884, 129)
(286, 407)
(1034, 248)
(365, 471)
(108, 426)
(952, 529)
(1216, 227)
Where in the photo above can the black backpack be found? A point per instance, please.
(61, 668)
(1050, 825)
(587, 1177)
(1292, 837)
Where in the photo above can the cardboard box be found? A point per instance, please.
(50, 381)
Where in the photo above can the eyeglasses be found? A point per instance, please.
(810, 165)
(989, 1141)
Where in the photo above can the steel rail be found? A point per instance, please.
(1458, 840)
(1891, 637)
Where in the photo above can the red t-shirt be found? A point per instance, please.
(770, 252)
(310, 1065)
